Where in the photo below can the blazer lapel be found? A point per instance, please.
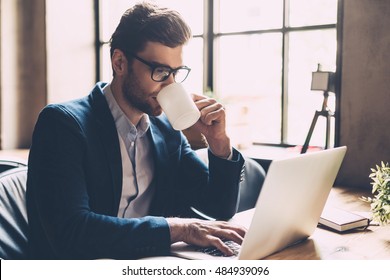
(109, 137)
(160, 148)
(161, 179)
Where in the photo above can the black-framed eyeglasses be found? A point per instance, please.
(161, 73)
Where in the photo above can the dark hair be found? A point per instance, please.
(147, 22)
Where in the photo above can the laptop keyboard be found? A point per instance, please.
(217, 253)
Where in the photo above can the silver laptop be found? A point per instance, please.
(288, 208)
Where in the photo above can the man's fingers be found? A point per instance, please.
(210, 111)
(205, 103)
(235, 228)
(227, 231)
(221, 246)
(209, 233)
(216, 232)
(197, 97)
(231, 235)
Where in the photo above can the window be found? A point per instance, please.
(257, 58)
(264, 55)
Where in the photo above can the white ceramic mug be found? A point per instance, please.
(178, 106)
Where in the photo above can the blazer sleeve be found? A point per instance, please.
(212, 189)
(63, 223)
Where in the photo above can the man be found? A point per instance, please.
(110, 178)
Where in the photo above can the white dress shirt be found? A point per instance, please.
(137, 161)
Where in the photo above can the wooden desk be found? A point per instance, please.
(372, 243)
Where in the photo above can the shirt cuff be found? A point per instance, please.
(230, 157)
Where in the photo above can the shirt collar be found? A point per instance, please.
(123, 124)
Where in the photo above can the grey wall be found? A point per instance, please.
(365, 89)
(47, 56)
(23, 70)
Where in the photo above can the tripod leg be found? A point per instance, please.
(313, 124)
(327, 139)
(327, 131)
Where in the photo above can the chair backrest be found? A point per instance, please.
(13, 214)
(250, 187)
(9, 163)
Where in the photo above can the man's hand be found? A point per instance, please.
(212, 124)
(205, 233)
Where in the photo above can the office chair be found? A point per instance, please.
(250, 187)
(13, 214)
(9, 163)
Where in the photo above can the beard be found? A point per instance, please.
(138, 98)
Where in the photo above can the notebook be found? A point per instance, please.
(288, 208)
(342, 220)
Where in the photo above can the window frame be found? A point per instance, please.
(285, 30)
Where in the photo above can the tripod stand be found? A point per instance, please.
(325, 112)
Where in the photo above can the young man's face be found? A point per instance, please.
(138, 87)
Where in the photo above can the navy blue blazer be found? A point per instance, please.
(74, 185)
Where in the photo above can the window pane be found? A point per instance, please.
(111, 12)
(110, 15)
(312, 12)
(192, 12)
(307, 49)
(193, 58)
(105, 64)
(70, 49)
(248, 15)
(248, 80)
